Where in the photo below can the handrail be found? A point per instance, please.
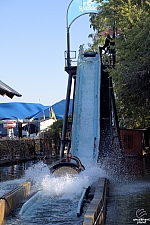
(81, 200)
(28, 203)
(102, 206)
(97, 219)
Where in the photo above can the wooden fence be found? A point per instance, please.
(21, 149)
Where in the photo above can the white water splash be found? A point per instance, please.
(67, 186)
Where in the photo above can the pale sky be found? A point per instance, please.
(32, 45)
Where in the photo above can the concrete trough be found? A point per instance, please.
(12, 199)
(95, 214)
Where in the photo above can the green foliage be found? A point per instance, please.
(56, 127)
(131, 75)
(55, 130)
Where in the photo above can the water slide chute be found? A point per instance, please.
(86, 117)
(89, 124)
(85, 133)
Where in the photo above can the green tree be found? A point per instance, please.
(55, 131)
(131, 75)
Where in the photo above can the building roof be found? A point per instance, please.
(6, 90)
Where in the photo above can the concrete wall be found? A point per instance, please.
(11, 200)
(95, 214)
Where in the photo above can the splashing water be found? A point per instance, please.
(67, 186)
(58, 200)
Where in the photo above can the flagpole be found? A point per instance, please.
(68, 47)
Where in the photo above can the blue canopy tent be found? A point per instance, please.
(21, 110)
(59, 108)
(29, 113)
